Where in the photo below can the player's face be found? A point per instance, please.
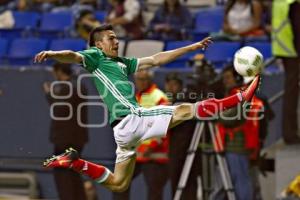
(142, 81)
(173, 86)
(109, 44)
(229, 80)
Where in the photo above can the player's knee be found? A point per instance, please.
(121, 187)
(184, 112)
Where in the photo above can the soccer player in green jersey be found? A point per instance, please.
(131, 123)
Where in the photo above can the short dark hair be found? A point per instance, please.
(173, 76)
(230, 68)
(83, 13)
(63, 67)
(94, 34)
(79, 16)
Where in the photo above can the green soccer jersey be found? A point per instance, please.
(111, 80)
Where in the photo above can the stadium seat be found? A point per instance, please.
(3, 47)
(221, 52)
(198, 3)
(155, 2)
(101, 15)
(22, 51)
(3, 50)
(182, 61)
(208, 21)
(215, 14)
(25, 22)
(54, 25)
(26, 19)
(69, 44)
(264, 47)
(141, 48)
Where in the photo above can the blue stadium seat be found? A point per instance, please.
(68, 44)
(26, 19)
(208, 21)
(101, 15)
(3, 47)
(25, 23)
(221, 52)
(22, 51)
(54, 25)
(3, 50)
(264, 47)
(182, 61)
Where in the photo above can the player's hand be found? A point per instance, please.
(43, 56)
(203, 44)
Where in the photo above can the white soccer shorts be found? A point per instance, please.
(133, 129)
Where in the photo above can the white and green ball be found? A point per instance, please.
(248, 61)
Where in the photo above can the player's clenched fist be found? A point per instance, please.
(43, 56)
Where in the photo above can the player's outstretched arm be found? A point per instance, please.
(168, 56)
(65, 56)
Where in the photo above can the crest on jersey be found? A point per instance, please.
(122, 66)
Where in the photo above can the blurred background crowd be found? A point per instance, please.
(261, 153)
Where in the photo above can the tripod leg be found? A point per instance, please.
(226, 179)
(189, 160)
(199, 190)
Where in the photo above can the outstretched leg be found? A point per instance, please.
(117, 181)
(211, 107)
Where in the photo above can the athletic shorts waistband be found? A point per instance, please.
(117, 121)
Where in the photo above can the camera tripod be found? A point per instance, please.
(217, 144)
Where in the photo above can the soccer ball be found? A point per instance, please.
(248, 61)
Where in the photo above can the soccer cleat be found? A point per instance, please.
(63, 160)
(250, 91)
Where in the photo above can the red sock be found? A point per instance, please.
(211, 107)
(98, 173)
